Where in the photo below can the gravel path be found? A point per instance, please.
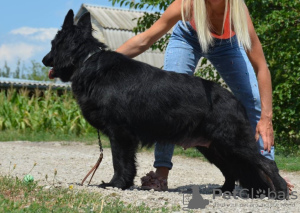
(73, 160)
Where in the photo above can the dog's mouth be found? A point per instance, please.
(51, 74)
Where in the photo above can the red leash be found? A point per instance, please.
(94, 169)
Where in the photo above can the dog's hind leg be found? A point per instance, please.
(123, 148)
(212, 155)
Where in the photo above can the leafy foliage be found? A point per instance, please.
(147, 20)
(208, 72)
(144, 4)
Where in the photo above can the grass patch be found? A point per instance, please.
(10, 135)
(89, 138)
(18, 196)
(191, 153)
(288, 163)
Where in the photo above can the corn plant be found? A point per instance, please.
(51, 112)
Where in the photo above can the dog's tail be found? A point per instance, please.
(254, 180)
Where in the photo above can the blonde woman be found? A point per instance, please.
(221, 31)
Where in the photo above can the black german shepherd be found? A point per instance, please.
(132, 102)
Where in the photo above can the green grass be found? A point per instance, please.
(18, 196)
(10, 135)
(191, 153)
(288, 163)
(89, 138)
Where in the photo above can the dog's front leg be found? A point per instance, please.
(123, 148)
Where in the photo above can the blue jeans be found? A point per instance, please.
(231, 62)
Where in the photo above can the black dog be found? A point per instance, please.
(133, 102)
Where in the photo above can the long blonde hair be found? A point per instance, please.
(237, 16)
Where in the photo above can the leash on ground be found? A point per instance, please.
(94, 169)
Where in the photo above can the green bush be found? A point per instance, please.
(278, 26)
(287, 114)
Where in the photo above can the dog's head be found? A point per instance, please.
(67, 46)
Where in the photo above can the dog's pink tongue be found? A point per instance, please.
(50, 74)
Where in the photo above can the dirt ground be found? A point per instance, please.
(73, 160)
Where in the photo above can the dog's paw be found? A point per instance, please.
(114, 184)
(104, 185)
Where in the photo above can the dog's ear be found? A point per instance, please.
(84, 22)
(69, 20)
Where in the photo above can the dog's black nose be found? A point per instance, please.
(44, 61)
(47, 60)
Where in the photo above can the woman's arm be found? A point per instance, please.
(141, 42)
(258, 61)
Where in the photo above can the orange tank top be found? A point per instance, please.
(227, 29)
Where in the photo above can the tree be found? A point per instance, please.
(16, 74)
(5, 71)
(37, 72)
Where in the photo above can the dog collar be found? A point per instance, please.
(93, 53)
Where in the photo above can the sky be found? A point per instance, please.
(28, 26)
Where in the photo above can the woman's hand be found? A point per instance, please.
(264, 129)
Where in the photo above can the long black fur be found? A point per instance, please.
(132, 102)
